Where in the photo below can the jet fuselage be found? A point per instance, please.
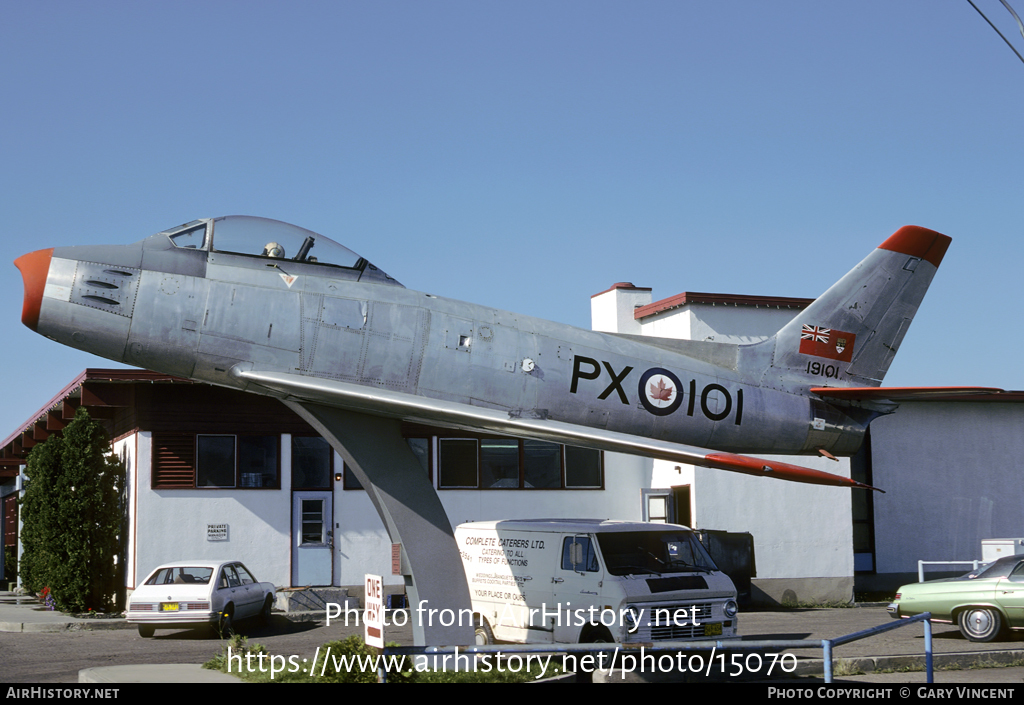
(212, 315)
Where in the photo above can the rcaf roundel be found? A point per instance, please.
(660, 391)
(827, 342)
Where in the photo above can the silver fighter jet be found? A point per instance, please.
(274, 309)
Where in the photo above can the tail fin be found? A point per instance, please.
(849, 335)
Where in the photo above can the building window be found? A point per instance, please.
(510, 463)
(457, 460)
(236, 461)
(583, 467)
(215, 461)
(185, 461)
(656, 506)
(312, 463)
(313, 525)
(420, 448)
(258, 461)
(542, 464)
(499, 463)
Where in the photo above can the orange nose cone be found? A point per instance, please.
(34, 267)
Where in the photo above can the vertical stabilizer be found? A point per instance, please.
(849, 335)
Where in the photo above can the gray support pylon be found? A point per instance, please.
(380, 457)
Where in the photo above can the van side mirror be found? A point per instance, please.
(576, 555)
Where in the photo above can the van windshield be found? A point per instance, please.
(654, 553)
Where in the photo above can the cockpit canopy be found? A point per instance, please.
(263, 237)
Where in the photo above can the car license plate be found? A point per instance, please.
(168, 606)
(713, 629)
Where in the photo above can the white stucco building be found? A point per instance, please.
(801, 533)
(215, 473)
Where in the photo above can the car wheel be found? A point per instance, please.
(146, 630)
(268, 605)
(483, 634)
(980, 623)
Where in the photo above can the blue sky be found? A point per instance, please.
(527, 155)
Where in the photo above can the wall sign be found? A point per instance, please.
(216, 532)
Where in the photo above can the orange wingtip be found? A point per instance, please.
(918, 242)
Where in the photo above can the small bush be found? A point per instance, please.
(238, 645)
(353, 650)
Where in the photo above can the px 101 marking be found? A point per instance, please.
(660, 391)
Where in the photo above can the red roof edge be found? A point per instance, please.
(94, 375)
(622, 285)
(695, 297)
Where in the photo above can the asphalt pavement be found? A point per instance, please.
(895, 656)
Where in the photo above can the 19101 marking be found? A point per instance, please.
(828, 371)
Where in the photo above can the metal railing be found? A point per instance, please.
(924, 618)
(634, 651)
(922, 564)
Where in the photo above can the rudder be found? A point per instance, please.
(850, 334)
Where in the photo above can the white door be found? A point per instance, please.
(577, 583)
(312, 538)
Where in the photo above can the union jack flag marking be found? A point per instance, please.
(815, 333)
(814, 340)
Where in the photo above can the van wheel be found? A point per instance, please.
(593, 634)
(596, 635)
(482, 632)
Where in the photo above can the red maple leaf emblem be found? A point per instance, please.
(661, 392)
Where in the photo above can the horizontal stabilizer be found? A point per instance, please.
(522, 423)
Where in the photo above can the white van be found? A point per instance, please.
(592, 580)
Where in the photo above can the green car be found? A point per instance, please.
(985, 603)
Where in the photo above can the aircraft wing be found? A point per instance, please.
(898, 394)
(525, 424)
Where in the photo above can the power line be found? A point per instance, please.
(1007, 6)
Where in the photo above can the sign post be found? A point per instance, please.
(373, 615)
